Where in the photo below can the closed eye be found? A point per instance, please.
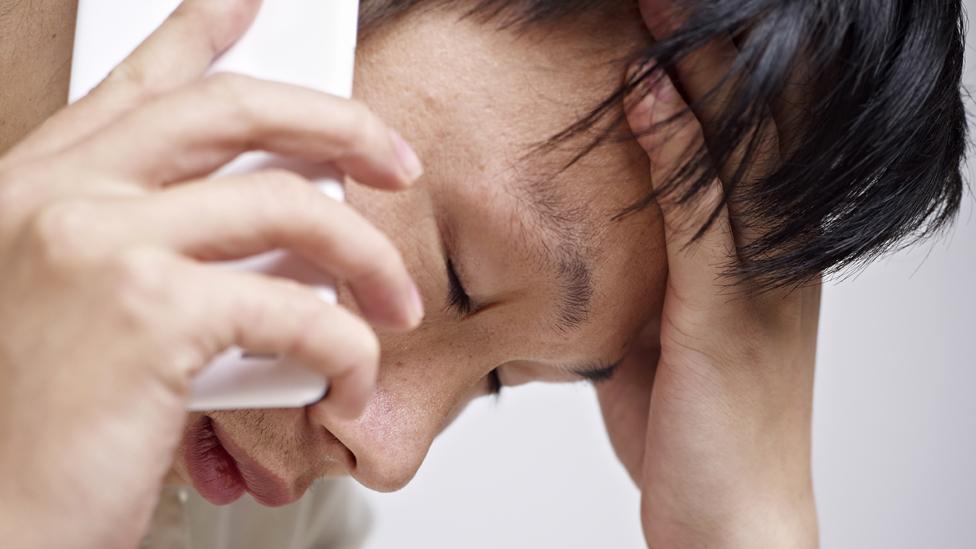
(597, 372)
(457, 297)
(460, 302)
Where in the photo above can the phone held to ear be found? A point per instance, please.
(310, 43)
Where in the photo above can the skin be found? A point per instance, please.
(457, 116)
(733, 381)
(718, 355)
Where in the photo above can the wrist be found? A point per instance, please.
(790, 525)
(752, 521)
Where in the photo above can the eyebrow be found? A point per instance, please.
(563, 227)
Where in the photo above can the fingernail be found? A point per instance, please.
(407, 157)
(661, 87)
(416, 306)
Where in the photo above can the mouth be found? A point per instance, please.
(222, 472)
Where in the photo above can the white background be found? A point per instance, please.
(894, 432)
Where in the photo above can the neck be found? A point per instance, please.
(36, 39)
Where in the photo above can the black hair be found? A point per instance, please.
(875, 159)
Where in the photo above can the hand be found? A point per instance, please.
(106, 310)
(711, 411)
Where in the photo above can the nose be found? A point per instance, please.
(421, 387)
(389, 441)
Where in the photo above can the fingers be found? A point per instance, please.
(192, 132)
(695, 266)
(270, 316)
(242, 216)
(703, 72)
(182, 49)
(179, 52)
(706, 76)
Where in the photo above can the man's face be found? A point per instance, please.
(553, 284)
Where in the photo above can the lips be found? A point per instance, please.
(221, 471)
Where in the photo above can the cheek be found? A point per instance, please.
(634, 301)
(634, 273)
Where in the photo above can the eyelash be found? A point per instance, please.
(459, 300)
(495, 383)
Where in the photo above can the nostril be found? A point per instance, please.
(379, 463)
(348, 458)
(387, 443)
(330, 445)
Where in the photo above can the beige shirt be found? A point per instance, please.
(332, 515)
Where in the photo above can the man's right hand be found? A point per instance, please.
(106, 308)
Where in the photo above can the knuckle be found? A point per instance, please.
(369, 248)
(140, 285)
(281, 193)
(130, 79)
(231, 90)
(225, 83)
(361, 125)
(143, 303)
(281, 186)
(8, 180)
(360, 348)
(58, 233)
(13, 195)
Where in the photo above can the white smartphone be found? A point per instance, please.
(310, 43)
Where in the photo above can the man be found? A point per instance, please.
(527, 268)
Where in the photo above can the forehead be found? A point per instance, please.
(478, 102)
(504, 12)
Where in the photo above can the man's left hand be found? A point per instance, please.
(711, 412)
